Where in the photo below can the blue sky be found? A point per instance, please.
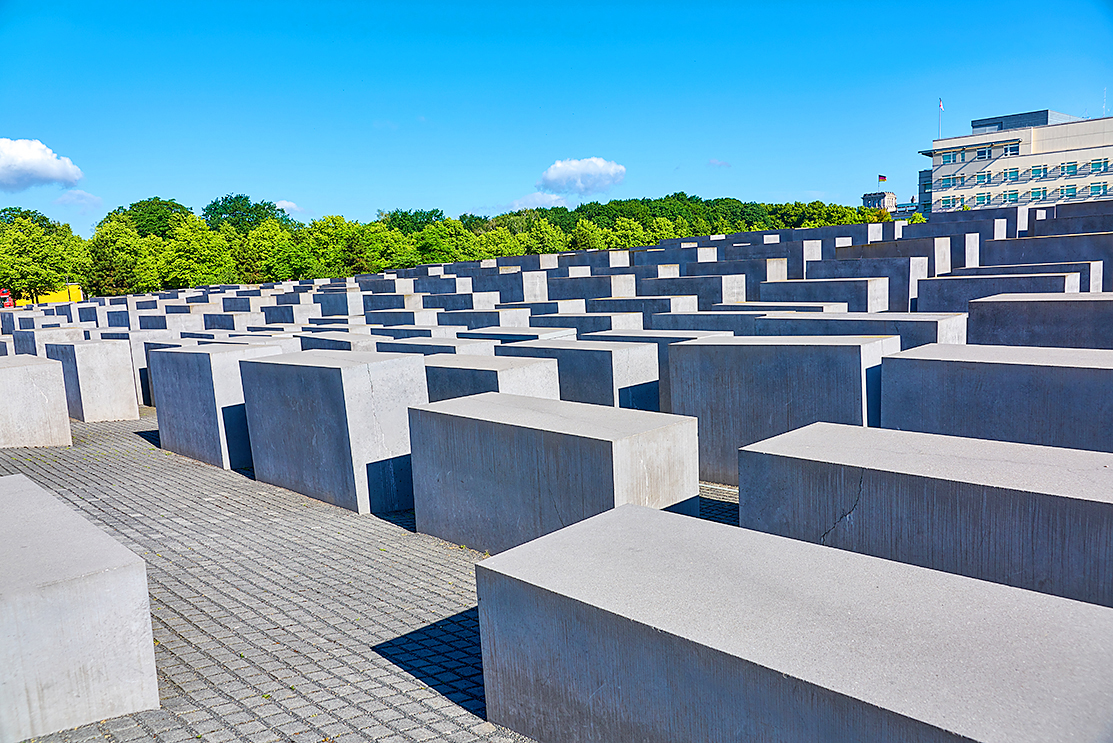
(351, 107)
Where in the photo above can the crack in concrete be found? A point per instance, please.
(857, 499)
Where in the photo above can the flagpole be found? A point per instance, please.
(940, 119)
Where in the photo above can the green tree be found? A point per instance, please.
(243, 214)
(150, 216)
(500, 242)
(661, 228)
(409, 222)
(626, 234)
(544, 237)
(588, 236)
(197, 255)
(37, 260)
(122, 261)
(917, 218)
(446, 241)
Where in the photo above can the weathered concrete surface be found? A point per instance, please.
(591, 287)
(97, 375)
(493, 471)
(662, 339)
(738, 323)
(709, 290)
(33, 342)
(33, 406)
(914, 328)
(745, 389)
(952, 293)
(936, 249)
(512, 334)
(1034, 517)
(617, 374)
(75, 624)
(200, 398)
(332, 425)
(590, 322)
(860, 295)
(337, 341)
(1058, 249)
(638, 625)
(1046, 396)
(647, 306)
(473, 319)
(1082, 320)
(450, 375)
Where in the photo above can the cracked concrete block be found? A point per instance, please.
(495, 470)
(332, 425)
(745, 389)
(75, 623)
(1030, 395)
(638, 625)
(1034, 517)
(33, 407)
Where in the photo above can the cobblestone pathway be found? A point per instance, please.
(278, 617)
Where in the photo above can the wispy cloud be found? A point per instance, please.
(83, 200)
(28, 162)
(718, 163)
(288, 206)
(587, 176)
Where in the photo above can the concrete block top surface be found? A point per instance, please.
(791, 340)
(1081, 358)
(335, 359)
(7, 362)
(43, 541)
(489, 363)
(984, 661)
(1049, 297)
(224, 349)
(879, 316)
(600, 422)
(634, 336)
(1070, 473)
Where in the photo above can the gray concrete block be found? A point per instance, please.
(100, 383)
(451, 375)
(286, 314)
(914, 328)
(1053, 249)
(473, 319)
(860, 295)
(662, 339)
(744, 390)
(332, 425)
(781, 307)
(592, 287)
(1046, 396)
(589, 322)
(952, 293)
(156, 344)
(557, 306)
(738, 323)
(469, 301)
(1090, 273)
(402, 317)
(638, 625)
(647, 306)
(710, 290)
(335, 341)
(429, 346)
(176, 321)
(75, 623)
(416, 331)
(903, 275)
(200, 399)
(936, 249)
(521, 286)
(512, 334)
(756, 270)
(33, 342)
(616, 374)
(493, 471)
(1034, 517)
(33, 406)
(233, 321)
(373, 302)
(1060, 320)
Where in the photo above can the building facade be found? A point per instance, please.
(886, 200)
(1039, 157)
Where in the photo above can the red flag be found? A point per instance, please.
(941, 104)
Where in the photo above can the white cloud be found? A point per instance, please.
(536, 200)
(83, 200)
(587, 176)
(28, 162)
(288, 206)
(718, 163)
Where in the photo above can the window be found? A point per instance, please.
(1039, 194)
(1011, 196)
(983, 198)
(950, 158)
(1099, 166)
(1097, 189)
(1068, 169)
(984, 153)
(1012, 174)
(951, 181)
(1039, 171)
(984, 177)
(952, 202)
(1011, 149)
(1067, 192)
